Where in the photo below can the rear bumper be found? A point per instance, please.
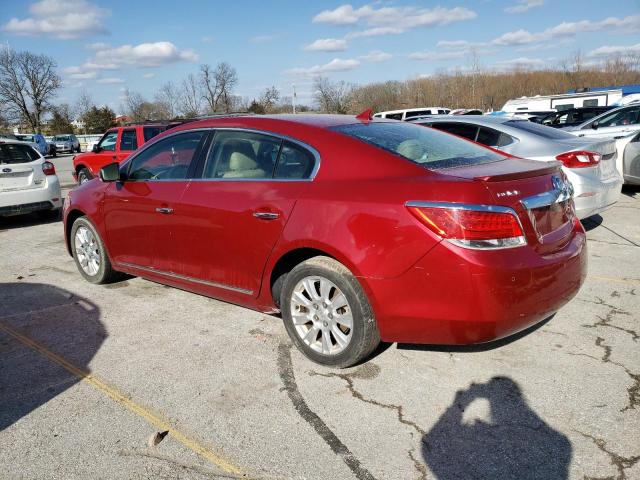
(456, 296)
(17, 202)
(593, 195)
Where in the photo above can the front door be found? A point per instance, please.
(617, 124)
(105, 152)
(141, 212)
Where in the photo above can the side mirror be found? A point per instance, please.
(96, 148)
(595, 125)
(110, 173)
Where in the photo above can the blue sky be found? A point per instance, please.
(104, 47)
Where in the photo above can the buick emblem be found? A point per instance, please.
(6, 170)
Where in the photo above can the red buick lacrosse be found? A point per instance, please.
(356, 229)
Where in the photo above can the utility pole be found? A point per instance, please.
(294, 98)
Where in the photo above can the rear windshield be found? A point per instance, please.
(16, 153)
(540, 130)
(424, 146)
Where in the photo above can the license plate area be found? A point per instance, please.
(552, 222)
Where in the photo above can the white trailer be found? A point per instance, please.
(551, 103)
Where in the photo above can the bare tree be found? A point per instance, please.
(168, 97)
(332, 97)
(28, 82)
(269, 98)
(218, 85)
(190, 96)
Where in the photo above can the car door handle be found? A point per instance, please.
(165, 210)
(266, 215)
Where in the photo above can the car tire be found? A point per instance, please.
(318, 322)
(90, 255)
(84, 175)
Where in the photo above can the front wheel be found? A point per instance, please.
(327, 314)
(89, 253)
(84, 176)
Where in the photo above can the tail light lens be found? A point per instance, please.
(48, 168)
(471, 226)
(579, 159)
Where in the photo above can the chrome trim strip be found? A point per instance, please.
(548, 198)
(188, 279)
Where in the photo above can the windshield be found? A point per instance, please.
(541, 130)
(17, 153)
(424, 146)
(61, 138)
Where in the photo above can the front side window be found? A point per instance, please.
(417, 113)
(168, 159)
(108, 142)
(628, 116)
(424, 146)
(394, 116)
(242, 155)
(150, 132)
(128, 141)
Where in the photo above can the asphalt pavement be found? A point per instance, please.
(91, 378)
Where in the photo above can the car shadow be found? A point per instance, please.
(29, 220)
(591, 222)
(476, 347)
(510, 442)
(632, 191)
(34, 316)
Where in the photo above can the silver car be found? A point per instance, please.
(619, 122)
(67, 143)
(629, 158)
(589, 164)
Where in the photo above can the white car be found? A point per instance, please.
(408, 113)
(28, 182)
(618, 122)
(628, 162)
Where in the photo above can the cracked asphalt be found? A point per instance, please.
(92, 376)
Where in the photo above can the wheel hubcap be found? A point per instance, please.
(87, 251)
(321, 315)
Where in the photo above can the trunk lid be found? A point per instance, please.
(537, 191)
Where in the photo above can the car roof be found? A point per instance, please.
(324, 121)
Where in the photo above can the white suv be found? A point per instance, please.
(408, 113)
(28, 182)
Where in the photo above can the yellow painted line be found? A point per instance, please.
(126, 402)
(612, 279)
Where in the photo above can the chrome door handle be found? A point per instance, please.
(266, 215)
(165, 210)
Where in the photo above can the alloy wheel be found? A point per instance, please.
(321, 315)
(87, 251)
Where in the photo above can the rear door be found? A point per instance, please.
(127, 143)
(141, 213)
(20, 167)
(233, 216)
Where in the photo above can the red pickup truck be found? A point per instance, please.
(114, 146)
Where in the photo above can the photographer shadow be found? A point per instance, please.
(515, 444)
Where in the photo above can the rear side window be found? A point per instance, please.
(129, 140)
(461, 129)
(493, 138)
(168, 159)
(294, 162)
(394, 116)
(417, 113)
(14, 153)
(242, 155)
(424, 146)
(150, 132)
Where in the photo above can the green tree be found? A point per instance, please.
(256, 107)
(61, 120)
(98, 120)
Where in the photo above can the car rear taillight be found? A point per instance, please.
(48, 168)
(471, 226)
(579, 159)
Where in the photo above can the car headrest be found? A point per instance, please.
(240, 161)
(411, 149)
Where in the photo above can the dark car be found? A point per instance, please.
(356, 230)
(572, 116)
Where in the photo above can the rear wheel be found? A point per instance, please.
(89, 253)
(327, 314)
(84, 175)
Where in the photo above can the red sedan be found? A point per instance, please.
(356, 230)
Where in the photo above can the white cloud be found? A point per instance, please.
(65, 19)
(391, 20)
(149, 75)
(110, 81)
(335, 65)
(76, 73)
(522, 6)
(431, 55)
(327, 45)
(376, 56)
(609, 51)
(630, 24)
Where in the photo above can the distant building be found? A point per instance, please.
(122, 120)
